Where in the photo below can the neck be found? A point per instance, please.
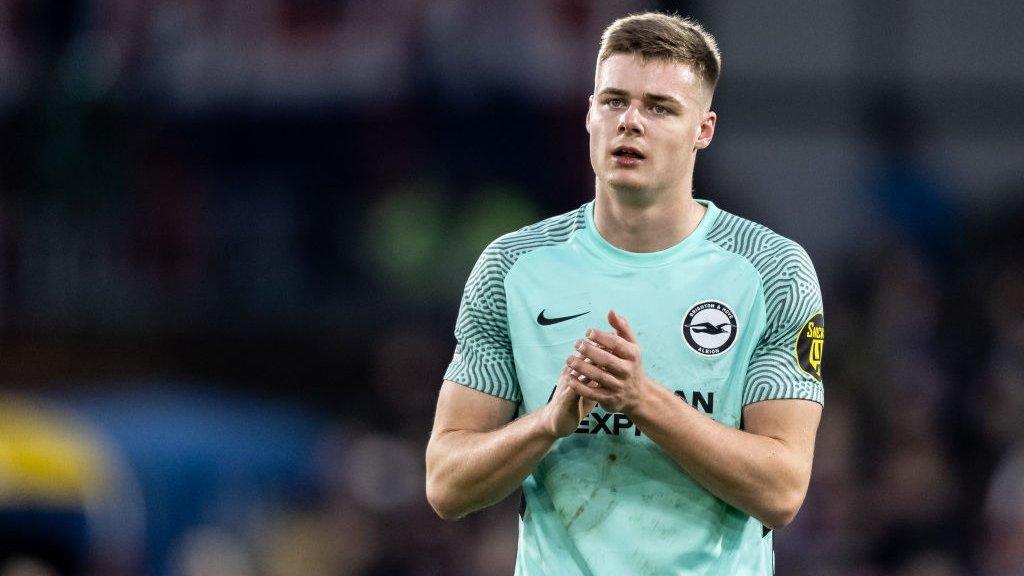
(638, 221)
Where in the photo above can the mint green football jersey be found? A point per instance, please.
(729, 316)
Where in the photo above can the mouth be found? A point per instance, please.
(627, 152)
(627, 157)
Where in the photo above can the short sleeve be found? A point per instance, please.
(786, 363)
(483, 357)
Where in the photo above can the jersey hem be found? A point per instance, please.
(815, 400)
(482, 390)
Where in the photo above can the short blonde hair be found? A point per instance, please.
(656, 36)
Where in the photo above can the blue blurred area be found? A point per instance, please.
(202, 457)
(233, 237)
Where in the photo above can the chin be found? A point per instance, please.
(626, 184)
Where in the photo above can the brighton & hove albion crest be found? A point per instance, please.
(709, 328)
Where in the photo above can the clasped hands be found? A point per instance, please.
(604, 369)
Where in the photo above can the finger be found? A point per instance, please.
(586, 405)
(604, 359)
(565, 397)
(614, 343)
(595, 395)
(578, 377)
(595, 374)
(562, 386)
(622, 327)
(571, 362)
(564, 378)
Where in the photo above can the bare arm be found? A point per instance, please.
(763, 470)
(477, 456)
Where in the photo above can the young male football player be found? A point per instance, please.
(648, 366)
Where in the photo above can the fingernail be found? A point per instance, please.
(582, 378)
(590, 333)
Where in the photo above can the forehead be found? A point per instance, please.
(630, 73)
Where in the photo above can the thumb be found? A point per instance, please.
(621, 326)
(586, 406)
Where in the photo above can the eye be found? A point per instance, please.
(616, 102)
(659, 109)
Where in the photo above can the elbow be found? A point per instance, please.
(776, 520)
(441, 493)
(444, 505)
(779, 513)
(443, 508)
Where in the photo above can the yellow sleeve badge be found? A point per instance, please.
(810, 344)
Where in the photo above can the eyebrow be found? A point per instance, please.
(648, 97)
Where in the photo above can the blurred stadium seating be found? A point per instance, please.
(233, 236)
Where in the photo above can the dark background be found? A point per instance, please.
(234, 234)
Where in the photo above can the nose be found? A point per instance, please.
(630, 121)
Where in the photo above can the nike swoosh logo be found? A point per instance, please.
(545, 321)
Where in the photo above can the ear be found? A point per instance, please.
(707, 131)
(590, 104)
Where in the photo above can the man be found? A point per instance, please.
(668, 443)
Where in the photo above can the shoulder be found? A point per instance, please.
(773, 255)
(509, 248)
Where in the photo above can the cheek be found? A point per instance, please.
(598, 137)
(680, 145)
(686, 137)
(596, 145)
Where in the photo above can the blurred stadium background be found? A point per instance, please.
(233, 237)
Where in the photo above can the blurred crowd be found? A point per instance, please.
(233, 237)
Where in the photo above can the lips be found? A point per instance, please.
(627, 157)
(628, 152)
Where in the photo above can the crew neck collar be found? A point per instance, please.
(645, 259)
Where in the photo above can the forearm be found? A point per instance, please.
(469, 470)
(757, 474)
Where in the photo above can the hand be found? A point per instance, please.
(566, 408)
(606, 367)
